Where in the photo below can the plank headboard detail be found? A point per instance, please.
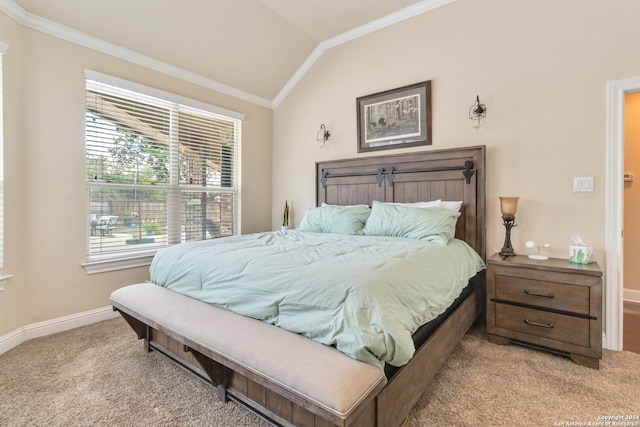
(451, 174)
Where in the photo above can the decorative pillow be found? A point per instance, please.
(335, 219)
(454, 206)
(434, 224)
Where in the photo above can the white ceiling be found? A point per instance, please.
(255, 47)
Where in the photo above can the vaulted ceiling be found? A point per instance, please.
(254, 49)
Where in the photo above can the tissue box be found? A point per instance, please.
(581, 254)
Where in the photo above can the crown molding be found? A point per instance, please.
(57, 30)
(14, 11)
(386, 21)
(77, 37)
(297, 76)
(378, 24)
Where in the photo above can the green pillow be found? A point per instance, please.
(335, 219)
(433, 224)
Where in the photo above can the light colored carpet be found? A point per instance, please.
(99, 375)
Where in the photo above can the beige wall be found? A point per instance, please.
(45, 170)
(541, 68)
(632, 192)
(13, 298)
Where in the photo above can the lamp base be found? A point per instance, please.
(507, 249)
(507, 252)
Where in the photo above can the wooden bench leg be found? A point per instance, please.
(147, 341)
(219, 375)
(142, 330)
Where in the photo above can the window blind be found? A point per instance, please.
(159, 172)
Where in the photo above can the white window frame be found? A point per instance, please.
(99, 263)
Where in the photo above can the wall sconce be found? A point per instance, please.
(476, 112)
(508, 207)
(322, 135)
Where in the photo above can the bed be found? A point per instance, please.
(272, 390)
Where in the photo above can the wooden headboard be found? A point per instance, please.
(452, 174)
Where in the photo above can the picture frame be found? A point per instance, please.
(395, 118)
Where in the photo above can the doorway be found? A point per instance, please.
(614, 227)
(631, 272)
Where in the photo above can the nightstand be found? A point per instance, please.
(549, 304)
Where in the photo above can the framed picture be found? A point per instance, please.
(395, 118)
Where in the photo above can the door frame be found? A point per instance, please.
(614, 210)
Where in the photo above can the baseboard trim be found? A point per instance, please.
(53, 326)
(11, 340)
(631, 295)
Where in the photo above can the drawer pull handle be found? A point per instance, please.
(542, 325)
(539, 294)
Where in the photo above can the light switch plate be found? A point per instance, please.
(583, 184)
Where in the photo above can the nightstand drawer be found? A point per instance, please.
(551, 304)
(558, 327)
(539, 293)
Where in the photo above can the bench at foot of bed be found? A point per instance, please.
(288, 378)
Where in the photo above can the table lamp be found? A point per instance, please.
(508, 207)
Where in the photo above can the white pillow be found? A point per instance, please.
(345, 206)
(454, 206)
(429, 204)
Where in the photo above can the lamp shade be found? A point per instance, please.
(508, 206)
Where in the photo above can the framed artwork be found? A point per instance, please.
(396, 118)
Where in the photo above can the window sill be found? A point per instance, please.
(105, 263)
(4, 280)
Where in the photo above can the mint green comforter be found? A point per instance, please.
(365, 295)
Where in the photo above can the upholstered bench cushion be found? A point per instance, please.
(314, 371)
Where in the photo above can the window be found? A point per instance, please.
(161, 169)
